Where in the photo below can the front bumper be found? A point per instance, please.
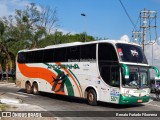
(131, 100)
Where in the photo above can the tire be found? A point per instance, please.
(92, 97)
(35, 89)
(28, 88)
(157, 93)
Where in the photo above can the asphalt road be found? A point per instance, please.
(51, 102)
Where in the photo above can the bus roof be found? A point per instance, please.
(79, 43)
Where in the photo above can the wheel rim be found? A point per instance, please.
(28, 87)
(90, 97)
(35, 89)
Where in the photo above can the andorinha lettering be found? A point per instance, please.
(62, 66)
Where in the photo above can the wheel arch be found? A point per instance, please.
(35, 81)
(28, 81)
(32, 82)
(94, 88)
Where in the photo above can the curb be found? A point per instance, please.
(6, 82)
(10, 101)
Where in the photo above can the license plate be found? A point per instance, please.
(139, 100)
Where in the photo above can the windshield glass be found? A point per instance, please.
(138, 77)
(130, 53)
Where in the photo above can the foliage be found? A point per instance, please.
(59, 38)
(4, 107)
(31, 28)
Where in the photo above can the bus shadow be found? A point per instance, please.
(63, 97)
(83, 101)
(118, 106)
(58, 97)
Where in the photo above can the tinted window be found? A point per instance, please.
(60, 55)
(88, 51)
(38, 56)
(73, 53)
(110, 74)
(30, 57)
(106, 52)
(48, 55)
(131, 53)
(21, 57)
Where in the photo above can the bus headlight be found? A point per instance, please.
(147, 94)
(127, 95)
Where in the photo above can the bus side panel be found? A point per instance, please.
(79, 77)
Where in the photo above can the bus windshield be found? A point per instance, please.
(130, 53)
(138, 77)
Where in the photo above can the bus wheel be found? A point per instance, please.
(35, 89)
(28, 88)
(92, 97)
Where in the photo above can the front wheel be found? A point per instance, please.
(92, 97)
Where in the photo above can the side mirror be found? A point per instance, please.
(157, 72)
(125, 70)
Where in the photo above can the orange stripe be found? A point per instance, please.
(70, 75)
(37, 72)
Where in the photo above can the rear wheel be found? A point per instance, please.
(28, 88)
(35, 89)
(92, 97)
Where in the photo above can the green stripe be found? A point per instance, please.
(76, 79)
(68, 84)
(131, 100)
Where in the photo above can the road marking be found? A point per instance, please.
(8, 100)
(18, 94)
(26, 94)
(8, 85)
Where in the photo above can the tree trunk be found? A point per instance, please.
(7, 72)
(1, 70)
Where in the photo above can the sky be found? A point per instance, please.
(104, 18)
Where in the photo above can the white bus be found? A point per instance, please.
(108, 70)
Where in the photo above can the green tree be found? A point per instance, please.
(59, 38)
(6, 55)
(23, 31)
(31, 28)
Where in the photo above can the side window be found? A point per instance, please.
(110, 75)
(21, 57)
(73, 53)
(106, 52)
(115, 80)
(38, 56)
(88, 51)
(60, 55)
(106, 74)
(48, 55)
(30, 57)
